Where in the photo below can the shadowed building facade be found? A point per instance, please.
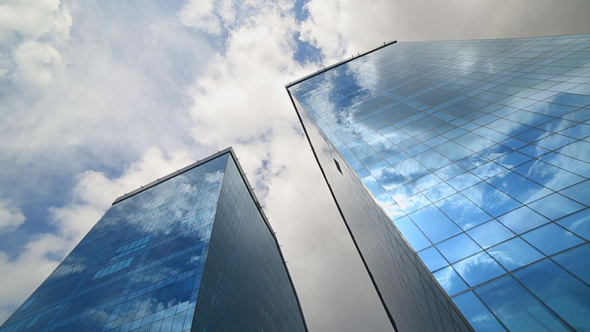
(461, 171)
(190, 252)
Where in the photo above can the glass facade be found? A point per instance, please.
(158, 255)
(478, 152)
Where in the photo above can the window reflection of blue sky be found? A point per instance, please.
(476, 148)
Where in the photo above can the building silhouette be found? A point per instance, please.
(192, 251)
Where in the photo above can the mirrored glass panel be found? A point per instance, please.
(578, 223)
(478, 268)
(555, 206)
(487, 140)
(490, 233)
(478, 315)
(450, 280)
(564, 294)
(458, 247)
(433, 259)
(522, 219)
(434, 223)
(551, 239)
(462, 211)
(514, 253)
(516, 308)
(573, 260)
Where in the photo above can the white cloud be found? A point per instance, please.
(208, 15)
(29, 32)
(125, 87)
(241, 97)
(241, 101)
(199, 14)
(31, 19)
(36, 62)
(341, 28)
(10, 216)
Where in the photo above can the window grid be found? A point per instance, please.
(405, 116)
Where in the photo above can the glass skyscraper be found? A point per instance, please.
(190, 252)
(478, 153)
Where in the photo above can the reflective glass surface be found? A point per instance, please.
(142, 267)
(516, 308)
(514, 254)
(480, 141)
(477, 314)
(245, 286)
(567, 296)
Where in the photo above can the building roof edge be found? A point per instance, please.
(385, 44)
(173, 174)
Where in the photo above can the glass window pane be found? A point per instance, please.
(555, 206)
(392, 210)
(412, 234)
(452, 151)
(411, 169)
(373, 186)
(514, 254)
(578, 223)
(490, 199)
(434, 224)
(450, 171)
(389, 178)
(488, 170)
(517, 308)
(522, 219)
(432, 160)
(476, 313)
(579, 150)
(478, 268)
(458, 247)
(473, 161)
(490, 233)
(567, 163)
(576, 261)
(414, 203)
(551, 239)
(463, 181)
(512, 159)
(519, 187)
(580, 192)
(548, 175)
(450, 281)
(432, 259)
(463, 212)
(439, 192)
(427, 181)
(567, 296)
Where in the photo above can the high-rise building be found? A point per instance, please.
(192, 251)
(462, 167)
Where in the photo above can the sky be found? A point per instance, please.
(98, 97)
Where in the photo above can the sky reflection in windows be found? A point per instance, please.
(486, 140)
(140, 266)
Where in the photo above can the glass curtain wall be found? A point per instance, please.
(479, 153)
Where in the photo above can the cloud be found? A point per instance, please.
(138, 90)
(35, 63)
(341, 28)
(240, 100)
(10, 216)
(200, 14)
(28, 32)
(31, 19)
